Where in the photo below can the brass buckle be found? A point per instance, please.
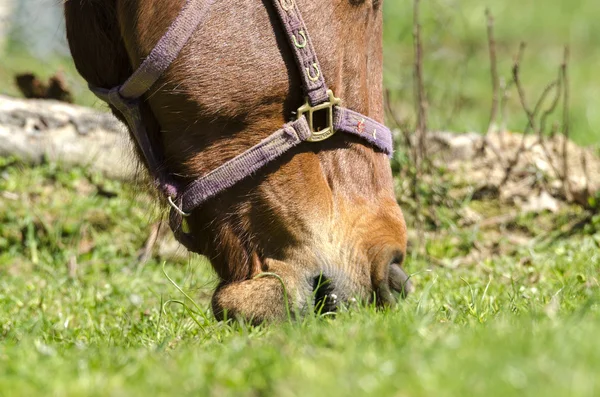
(320, 135)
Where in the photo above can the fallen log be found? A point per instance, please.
(45, 130)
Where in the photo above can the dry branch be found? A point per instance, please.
(552, 107)
(532, 115)
(146, 252)
(420, 96)
(494, 71)
(402, 125)
(566, 124)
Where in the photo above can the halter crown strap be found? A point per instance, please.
(167, 49)
(304, 52)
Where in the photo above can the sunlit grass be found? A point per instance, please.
(112, 327)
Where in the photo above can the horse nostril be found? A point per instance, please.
(399, 280)
(325, 300)
(385, 277)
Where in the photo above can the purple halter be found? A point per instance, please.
(127, 98)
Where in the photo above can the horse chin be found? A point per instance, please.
(270, 296)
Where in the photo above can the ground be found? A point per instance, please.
(81, 316)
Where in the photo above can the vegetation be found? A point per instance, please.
(457, 66)
(81, 316)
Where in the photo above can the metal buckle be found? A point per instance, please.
(320, 135)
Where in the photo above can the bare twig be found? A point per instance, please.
(566, 124)
(552, 107)
(531, 114)
(506, 87)
(498, 153)
(493, 222)
(543, 120)
(516, 78)
(586, 174)
(554, 84)
(419, 149)
(494, 71)
(402, 125)
(536, 110)
(72, 267)
(554, 131)
(146, 253)
(420, 96)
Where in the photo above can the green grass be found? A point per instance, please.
(506, 326)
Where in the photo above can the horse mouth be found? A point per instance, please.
(327, 299)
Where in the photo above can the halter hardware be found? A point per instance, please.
(185, 226)
(309, 110)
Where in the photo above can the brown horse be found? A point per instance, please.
(318, 227)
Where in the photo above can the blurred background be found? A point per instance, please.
(457, 66)
(32, 40)
(456, 61)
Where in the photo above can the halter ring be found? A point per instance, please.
(177, 209)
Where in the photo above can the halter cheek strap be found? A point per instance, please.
(127, 97)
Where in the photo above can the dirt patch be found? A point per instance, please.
(492, 196)
(523, 170)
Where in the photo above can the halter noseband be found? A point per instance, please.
(127, 97)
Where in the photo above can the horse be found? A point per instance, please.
(312, 228)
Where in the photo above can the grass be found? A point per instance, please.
(103, 325)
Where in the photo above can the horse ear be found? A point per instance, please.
(96, 43)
